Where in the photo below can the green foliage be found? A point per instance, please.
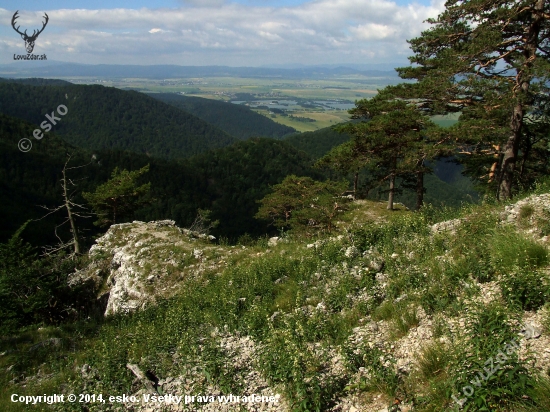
(379, 365)
(491, 365)
(434, 361)
(390, 141)
(302, 203)
(16, 260)
(107, 118)
(287, 359)
(475, 60)
(401, 316)
(510, 249)
(234, 119)
(319, 142)
(528, 289)
(119, 197)
(228, 182)
(33, 290)
(302, 306)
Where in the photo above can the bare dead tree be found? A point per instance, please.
(72, 211)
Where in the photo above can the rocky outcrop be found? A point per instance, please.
(135, 263)
(531, 215)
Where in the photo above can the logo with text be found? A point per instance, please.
(29, 39)
(25, 144)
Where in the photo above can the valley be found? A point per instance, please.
(323, 102)
(247, 251)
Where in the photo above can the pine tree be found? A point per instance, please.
(343, 159)
(390, 141)
(118, 197)
(303, 203)
(489, 60)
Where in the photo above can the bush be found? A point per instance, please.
(526, 289)
(34, 290)
(490, 376)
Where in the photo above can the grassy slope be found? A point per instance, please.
(330, 320)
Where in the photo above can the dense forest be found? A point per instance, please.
(100, 117)
(319, 142)
(238, 121)
(228, 181)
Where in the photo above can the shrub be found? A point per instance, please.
(527, 289)
(490, 374)
(34, 290)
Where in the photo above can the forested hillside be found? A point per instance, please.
(238, 121)
(35, 81)
(319, 142)
(228, 181)
(100, 117)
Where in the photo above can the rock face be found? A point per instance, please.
(134, 263)
(532, 215)
(529, 214)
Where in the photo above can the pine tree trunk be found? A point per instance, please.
(355, 180)
(419, 189)
(510, 154)
(522, 88)
(391, 193)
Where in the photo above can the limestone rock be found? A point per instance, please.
(130, 262)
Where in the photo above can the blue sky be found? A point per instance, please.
(221, 32)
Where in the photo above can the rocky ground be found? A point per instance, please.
(135, 263)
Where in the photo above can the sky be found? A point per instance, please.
(218, 32)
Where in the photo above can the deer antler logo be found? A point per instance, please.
(29, 40)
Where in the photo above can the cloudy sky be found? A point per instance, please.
(218, 32)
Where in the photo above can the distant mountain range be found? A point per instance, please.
(61, 69)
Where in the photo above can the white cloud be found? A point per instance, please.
(224, 33)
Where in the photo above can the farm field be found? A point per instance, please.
(262, 92)
(315, 120)
(446, 120)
